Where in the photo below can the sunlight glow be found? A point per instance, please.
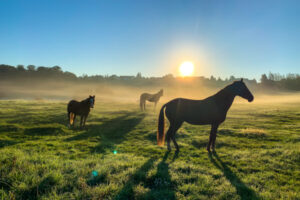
(186, 68)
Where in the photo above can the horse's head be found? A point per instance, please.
(161, 92)
(240, 89)
(91, 101)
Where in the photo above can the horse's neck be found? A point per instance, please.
(85, 102)
(157, 95)
(224, 99)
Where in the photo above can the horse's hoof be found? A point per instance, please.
(214, 152)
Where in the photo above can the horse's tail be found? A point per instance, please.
(71, 117)
(161, 127)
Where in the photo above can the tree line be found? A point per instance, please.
(33, 74)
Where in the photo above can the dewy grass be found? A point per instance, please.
(116, 156)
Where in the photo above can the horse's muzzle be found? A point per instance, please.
(251, 99)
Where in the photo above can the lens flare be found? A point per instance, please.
(94, 173)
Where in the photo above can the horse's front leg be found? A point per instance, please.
(212, 137)
(84, 120)
(155, 105)
(81, 120)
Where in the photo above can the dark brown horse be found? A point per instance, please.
(81, 108)
(150, 97)
(211, 110)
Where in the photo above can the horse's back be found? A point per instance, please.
(72, 104)
(144, 96)
(193, 111)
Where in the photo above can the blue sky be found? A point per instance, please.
(223, 38)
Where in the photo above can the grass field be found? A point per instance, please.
(116, 156)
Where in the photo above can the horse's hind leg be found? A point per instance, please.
(74, 120)
(177, 126)
(84, 120)
(71, 117)
(69, 122)
(141, 105)
(81, 120)
(168, 136)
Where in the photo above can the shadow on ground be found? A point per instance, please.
(242, 189)
(4, 143)
(227, 132)
(159, 185)
(47, 130)
(111, 131)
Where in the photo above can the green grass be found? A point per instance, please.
(258, 154)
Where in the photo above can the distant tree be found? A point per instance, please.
(42, 69)
(168, 76)
(271, 77)
(264, 79)
(56, 69)
(7, 68)
(20, 68)
(232, 78)
(212, 78)
(70, 75)
(139, 75)
(113, 77)
(31, 68)
(268, 82)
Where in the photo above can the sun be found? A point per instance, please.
(186, 68)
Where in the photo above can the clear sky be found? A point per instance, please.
(222, 37)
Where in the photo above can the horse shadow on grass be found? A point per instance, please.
(44, 131)
(37, 191)
(160, 184)
(111, 131)
(202, 144)
(242, 190)
(5, 143)
(260, 137)
(33, 118)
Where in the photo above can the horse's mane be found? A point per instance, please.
(223, 91)
(85, 100)
(226, 88)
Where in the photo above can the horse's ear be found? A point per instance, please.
(241, 79)
(90, 96)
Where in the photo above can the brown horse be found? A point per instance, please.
(211, 110)
(80, 108)
(150, 97)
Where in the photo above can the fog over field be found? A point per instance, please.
(64, 91)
